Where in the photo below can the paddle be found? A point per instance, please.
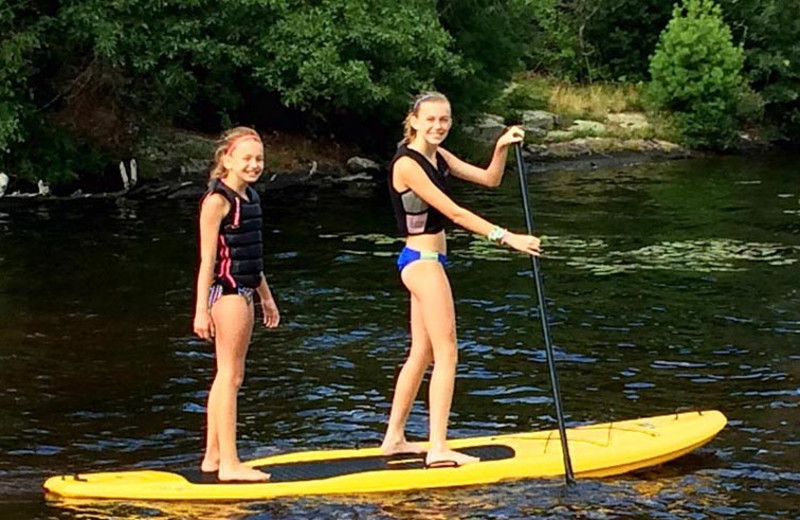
(551, 364)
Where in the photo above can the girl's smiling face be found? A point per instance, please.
(246, 160)
(433, 121)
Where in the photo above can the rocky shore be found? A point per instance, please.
(174, 164)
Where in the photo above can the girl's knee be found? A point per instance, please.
(420, 359)
(446, 356)
(231, 378)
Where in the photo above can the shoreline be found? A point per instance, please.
(175, 172)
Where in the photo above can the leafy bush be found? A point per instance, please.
(749, 106)
(770, 30)
(19, 38)
(697, 74)
(622, 35)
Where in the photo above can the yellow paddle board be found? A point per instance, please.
(598, 450)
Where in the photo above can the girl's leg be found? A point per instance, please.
(428, 282)
(210, 462)
(233, 316)
(420, 356)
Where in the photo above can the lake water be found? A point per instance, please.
(671, 287)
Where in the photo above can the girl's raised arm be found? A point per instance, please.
(492, 175)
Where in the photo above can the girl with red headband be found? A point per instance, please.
(231, 271)
(418, 189)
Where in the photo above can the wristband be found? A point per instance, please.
(496, 234)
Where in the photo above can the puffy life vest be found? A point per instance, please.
(414, 216)
(240, 249)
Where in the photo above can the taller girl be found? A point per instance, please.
(420, 197)
(231, 271)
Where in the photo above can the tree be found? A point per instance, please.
(697, 74)
(105, 69)
(769, 31)
(624, 34)
(20, 36)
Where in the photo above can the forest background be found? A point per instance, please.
(83, 82)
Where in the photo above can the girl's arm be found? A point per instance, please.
(270, 309)
(212, 211)
(410, 175)
(492, 174)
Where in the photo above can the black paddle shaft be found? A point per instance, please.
(548, 344)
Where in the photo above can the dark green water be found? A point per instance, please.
(671, 287)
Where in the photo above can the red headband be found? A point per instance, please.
(241, 139)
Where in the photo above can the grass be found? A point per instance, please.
(593, 101)
(574, 101)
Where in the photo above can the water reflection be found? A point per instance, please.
(688, 492)
(697, 256)
(667, 290)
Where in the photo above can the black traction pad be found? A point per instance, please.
(321, 469)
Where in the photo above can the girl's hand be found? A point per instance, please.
(512, 135)
(204, 325)
(271, 314)
(528, 244)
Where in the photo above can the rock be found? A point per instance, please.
(44, 189)
(535, 132)
(355, 177)
(539, 119)
(186, 189)
(487, 128)
(629, 120)
(605, 146)
(166, 154)
(126, 183)
(573, 148)
(362, 164)
(582, 126)
(537, 152)
(194, 168)
(134, 173)
(3, 183)
(558, 135)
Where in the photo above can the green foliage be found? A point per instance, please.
(58, 158)
(622, 35)
(588, 40)
(19, 37)
(321, 56)
(697, 74)
(81, 79)
(749, 106)
(490, 37)
(525, 93)
(109, 68)
(770, 30)
(355, 55)
(552, 41)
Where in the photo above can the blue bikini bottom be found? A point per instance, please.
(408, 256)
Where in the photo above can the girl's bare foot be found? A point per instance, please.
(401, 446)
(209, 465)
(449, 457)
(242, 472)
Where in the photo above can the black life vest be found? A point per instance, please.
(414, 216)
(240, 249)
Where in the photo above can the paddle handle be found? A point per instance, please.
(548, 344)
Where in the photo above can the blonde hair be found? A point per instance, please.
(225, 145)
(408, 132)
